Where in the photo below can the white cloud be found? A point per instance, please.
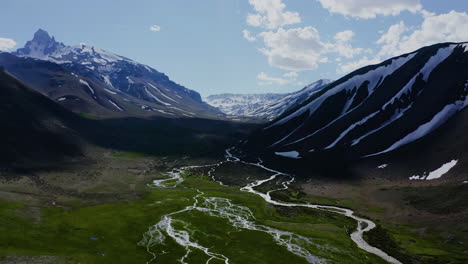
(449, 27)
(293, 49)
(371, 8)
(248, 36)
(7, 44)
(265, 79)
(344, 36)
(323, 60)
(346, 50)
(292, 75)
(270, 14)
(390, 39)
(342, 45)
(400, 39)
(155, 28)
(299, 49)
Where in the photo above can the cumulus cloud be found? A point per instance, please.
(248, 36)
(344, 36)
(7, 44)
(400, 38)
(265, 79)
(342, 45)
(449, 27)
(299, 49)
(293, 49)
(390, 39)
(270, 14)
(155, 28)
(371, 8)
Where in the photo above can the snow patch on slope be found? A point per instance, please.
(155, 97)
(439, 119)
(157, 89)
(114, 104)
(437, 173)
(87, 85)
(351, 128)
(289, 154)
(373, 76)
(430, 65)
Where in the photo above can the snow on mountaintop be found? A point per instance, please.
(44, 47)
(119, 77)
(263, 106)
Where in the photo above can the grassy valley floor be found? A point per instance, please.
(98, 212)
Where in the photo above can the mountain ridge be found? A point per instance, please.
(265, 106)
(373, 110)
(148, 91)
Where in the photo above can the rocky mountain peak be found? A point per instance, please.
(41, 46)
(42, 36)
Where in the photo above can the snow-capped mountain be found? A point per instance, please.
(138, 86)
(375, 109)
(243, 105)
(263, 106)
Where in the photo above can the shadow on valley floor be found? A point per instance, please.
(163, 136)
(329, 166)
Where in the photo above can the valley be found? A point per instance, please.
(124, 207)
(311, 148)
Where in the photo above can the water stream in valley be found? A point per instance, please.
(240, 217)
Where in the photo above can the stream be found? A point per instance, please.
(240, 217)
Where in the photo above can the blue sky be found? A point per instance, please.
(242, 46)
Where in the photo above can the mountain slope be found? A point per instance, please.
(373, 110)
(112, 83)
(263, 106)
(33, 127)
(38, 132)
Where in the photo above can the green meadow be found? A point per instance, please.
(111, 233)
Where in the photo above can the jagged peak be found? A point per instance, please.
(42, 36)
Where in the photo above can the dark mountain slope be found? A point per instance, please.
(37, 131)
(33, 127)
(59, 84)
(373, 110)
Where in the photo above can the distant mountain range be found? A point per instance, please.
(263, 106)
(90, 80)
(374, 110)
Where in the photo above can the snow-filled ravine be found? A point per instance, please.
(242, 218)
